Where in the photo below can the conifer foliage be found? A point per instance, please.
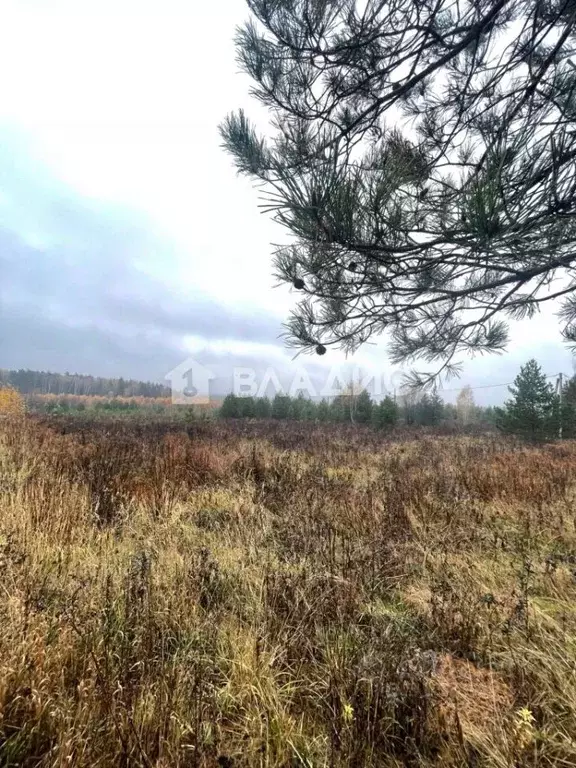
(533, 410)
(422, 157)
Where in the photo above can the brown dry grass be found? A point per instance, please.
(281, 595)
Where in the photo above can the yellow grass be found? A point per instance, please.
(11, 402)
(294, 595)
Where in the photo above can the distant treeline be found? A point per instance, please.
(46, 383)
(422, 410)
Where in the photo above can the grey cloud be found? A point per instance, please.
(28, 342)
(60, 347)
(72, 295)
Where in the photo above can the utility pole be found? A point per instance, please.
(560, 387)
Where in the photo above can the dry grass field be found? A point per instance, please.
(260, 594)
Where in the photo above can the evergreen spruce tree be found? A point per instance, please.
(299, 407)
(487, 416)
(363, 408)
(389, 412)
(450, 415)
(340, 408)
(436, 409)
(409, 406)
(429, 410)
(323, 410)
(385, 414)
(310, 410)
(281, 406)
(230, 408)
(375, 420)
(532, 412)
(247, 406)
(569, 408)
(263, 408)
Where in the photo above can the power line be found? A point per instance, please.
(492, 386)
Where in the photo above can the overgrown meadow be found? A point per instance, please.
(263, 594)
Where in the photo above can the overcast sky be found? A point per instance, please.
(127, 242)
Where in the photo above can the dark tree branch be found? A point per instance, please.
(437, 230)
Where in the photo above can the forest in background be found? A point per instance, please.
(30, 382)
(537, 409)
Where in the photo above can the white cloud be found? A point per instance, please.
(121, 99)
